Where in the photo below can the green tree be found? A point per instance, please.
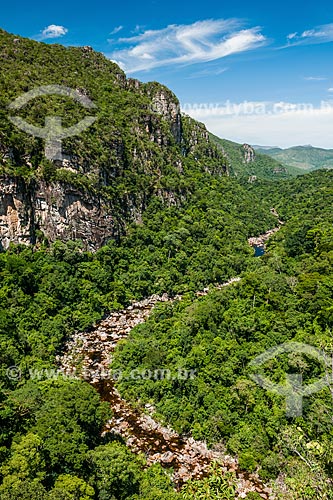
(25, 465)
(69, 487)
(116, 471)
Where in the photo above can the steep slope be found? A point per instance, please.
(139, 146)
(304, 158)
(245, 162)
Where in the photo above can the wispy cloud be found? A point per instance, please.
(208, 72)
(186, 44)
(319, 34)
(116, 30)
(53, 31)
(315, 78)
(330, 89)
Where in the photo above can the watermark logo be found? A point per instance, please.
(256, 108)
(293, 389)
(53, 132)
(15, 374)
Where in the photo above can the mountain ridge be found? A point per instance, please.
(305, 158)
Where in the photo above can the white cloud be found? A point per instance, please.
(319, 34)
(187, 44)
(315, 78)
(53, 31)
(116, 30)
(281, 123)
(330, 89)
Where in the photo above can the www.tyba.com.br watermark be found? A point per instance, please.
(14, 373)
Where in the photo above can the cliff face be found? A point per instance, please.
(140, 146)
(52, 211)
(249, 153)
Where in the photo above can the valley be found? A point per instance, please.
(140, 275)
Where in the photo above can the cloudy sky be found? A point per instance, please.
(251, 71)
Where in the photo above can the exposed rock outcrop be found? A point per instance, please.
(164, 103)
(249, 153)
(58, 210)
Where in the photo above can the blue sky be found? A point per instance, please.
(253, 72)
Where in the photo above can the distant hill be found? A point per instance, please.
(306, 158)
(245, 161)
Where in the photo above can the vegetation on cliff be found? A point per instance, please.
(139, 146)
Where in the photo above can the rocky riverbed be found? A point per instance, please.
(89, 355)
(259, 241)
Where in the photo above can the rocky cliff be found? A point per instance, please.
(139, 147)
(249, 153)
(40, 210)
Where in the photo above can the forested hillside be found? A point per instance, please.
(284, 296)
(247, 163)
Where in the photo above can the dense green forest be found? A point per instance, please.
(191, 236)
(50, 429)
